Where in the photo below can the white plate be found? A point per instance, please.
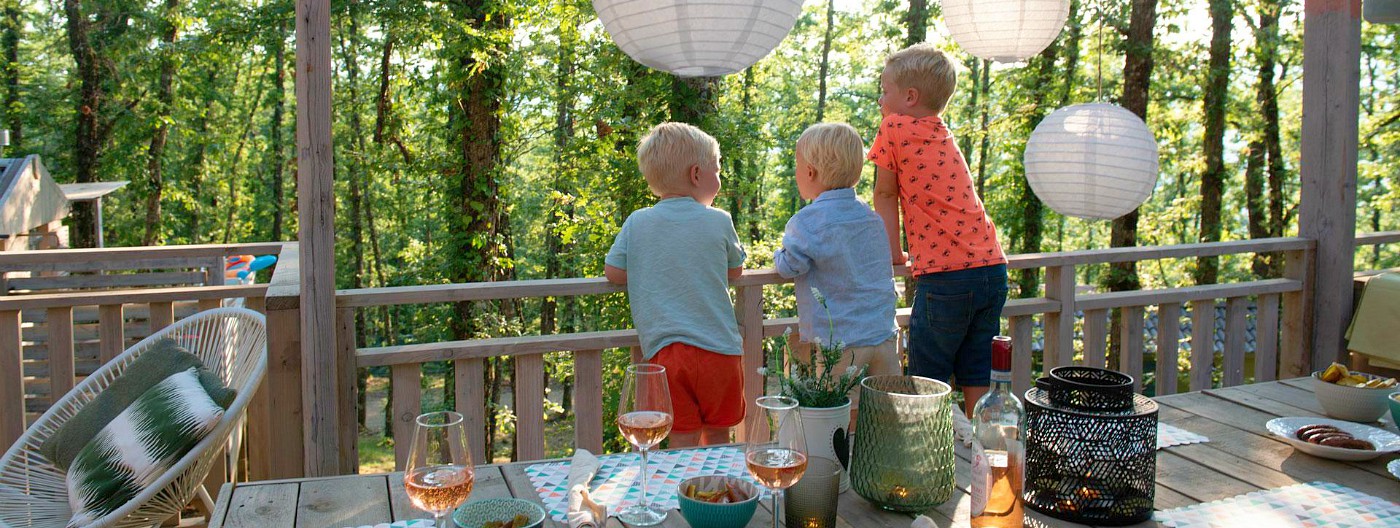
(1385, 441)
(1394, 467)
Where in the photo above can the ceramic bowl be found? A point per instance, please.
(1356, 404)
(474, 514)
(1395, 408)
(702, 514)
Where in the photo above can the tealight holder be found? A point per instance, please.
(902, 457)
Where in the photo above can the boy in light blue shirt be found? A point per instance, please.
(837, 245)
(677, 258)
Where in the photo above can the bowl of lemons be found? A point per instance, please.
(1350, 395)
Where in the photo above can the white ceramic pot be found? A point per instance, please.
(826, 432)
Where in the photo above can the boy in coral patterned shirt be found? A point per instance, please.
(954, 255)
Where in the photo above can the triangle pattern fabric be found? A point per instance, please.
(616, 484)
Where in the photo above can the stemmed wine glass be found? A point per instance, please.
(775, 447)
(439, 474)
(644, 417)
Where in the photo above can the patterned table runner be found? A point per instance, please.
(616, 485)
(1314, 505)
(1170, 435)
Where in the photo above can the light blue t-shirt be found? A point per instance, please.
(677, 255)
(838, 245)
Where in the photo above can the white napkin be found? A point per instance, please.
(583, 512)
(962, 428)
(923, 522)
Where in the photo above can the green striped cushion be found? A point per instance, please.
(139, 445)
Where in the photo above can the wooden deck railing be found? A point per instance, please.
(1281, 348)
(55, 329)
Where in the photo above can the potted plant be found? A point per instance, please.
(821, 384)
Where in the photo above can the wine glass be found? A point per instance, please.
(775, 447)
(439, 474)
(644, 418)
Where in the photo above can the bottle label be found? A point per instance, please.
(1003, 376)
(981, 479)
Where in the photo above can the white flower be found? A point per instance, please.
(817, 340)
(762, 371)
(818, 294)
(787, 332)
(851, 370)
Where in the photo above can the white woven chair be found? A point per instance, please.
(232, 342)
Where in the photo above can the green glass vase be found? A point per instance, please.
(903, 453)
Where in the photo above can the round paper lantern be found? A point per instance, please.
(698, 38)
(1005, 30)
(1093, 160)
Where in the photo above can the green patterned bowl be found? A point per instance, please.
(474, 514)
(701, 514)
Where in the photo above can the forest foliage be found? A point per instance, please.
(495, 139)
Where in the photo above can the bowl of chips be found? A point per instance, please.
(717, 501)
(1351, 395)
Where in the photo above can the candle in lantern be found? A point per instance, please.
(899, 492)
(812, 523)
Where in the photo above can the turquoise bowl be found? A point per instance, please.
(702, 514)
(474, 514)
(1395, 408)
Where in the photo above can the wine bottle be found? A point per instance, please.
(998, 458)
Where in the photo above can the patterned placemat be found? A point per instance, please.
(1313, 505)
(1170, 435)
(411, 523)
(616, 485)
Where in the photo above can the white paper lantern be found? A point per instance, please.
(1382, 11)
(1093, 160)
(698, 38)
(1005, 30)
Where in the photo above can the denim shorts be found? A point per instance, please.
(955, 316)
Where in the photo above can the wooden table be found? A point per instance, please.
(1241, 457)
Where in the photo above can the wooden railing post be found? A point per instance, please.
(1232, 364)
(111, 329)
(1130, 353)
(749, 312)
(407, 381)
(1295, 350)
(1266, 339)
(1021, 359)
(529, 407)
(588, 400)
(11, 379)
(471, 403)
(1168, 342)
(275, 424)
(1095, 333)
(61, 372)
(347, 386)
(1059, 326)
(1202, 343)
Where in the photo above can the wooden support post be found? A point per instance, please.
(407, 380)
(210, 304)
(316, 237)
(1328, 154)
(61, 373)
(1295, 349)
(749, 312)
(1266, 339)
(214, 272)
(110, 326)
(588, 400)
(1095, 334)
(471, 403)
(162, 315)
(275, 418)
(529, 407)
(1130, 356)
(1168, 341)
(1202, 344)
(348, 388)
(1059, 327)
(1232, 365)
(1021, 359)
(11, 379)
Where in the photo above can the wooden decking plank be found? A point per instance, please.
(1291, 395)
(221, 501)
(357, 500)
(261, 505)
(1196, 480)
(1278, 456)
(519, 484)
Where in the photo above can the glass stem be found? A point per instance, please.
(443, 520)
(644, 502)
(776, 495)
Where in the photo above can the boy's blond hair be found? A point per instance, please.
(836, 151)
(668, 151)
(927, 69)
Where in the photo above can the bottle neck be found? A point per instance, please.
(1001, 380)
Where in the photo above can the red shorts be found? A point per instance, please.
(707, 388)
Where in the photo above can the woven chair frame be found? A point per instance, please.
(232, 343)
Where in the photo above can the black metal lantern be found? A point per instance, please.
(1091, 447)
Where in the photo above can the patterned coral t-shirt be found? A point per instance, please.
(944, 221)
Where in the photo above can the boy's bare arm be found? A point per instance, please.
(887, 206)
(615, 274)
(735, 273)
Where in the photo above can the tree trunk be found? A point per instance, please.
(984, 86)
(825, 67)
(1217, 95)
(14, 118)
(165, 100)
(916, 22)
(694, 99)
(90, 133)
(276, 162)
(199, 157)
(1137, 81)
(1267, 43)
(237, 165)
(560, 215)
(354, 171)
